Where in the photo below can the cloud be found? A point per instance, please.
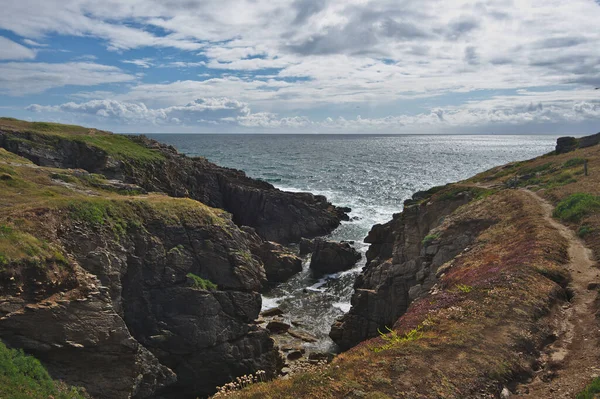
(20, 78)
(204, 110)
(10, 50)
(142, 63)
(33, 43)
(524, 108)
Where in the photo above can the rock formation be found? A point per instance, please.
(332, 257)
(401, 265)
(276, 215)
(140, 294)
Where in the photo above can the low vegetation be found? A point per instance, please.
(24, 377)
(118, 146)
(576, 206)
(592, 391)
(200, 283)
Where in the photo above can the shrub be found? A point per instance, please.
(574, 162)
(576, 206)
(200, 283)
(392, 338)
(584, 231)
(464, 288)
(591, 390)
(24, 377)
(429, 238)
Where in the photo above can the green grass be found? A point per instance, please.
(24, 377)
(584, 231)
(577, 206)
(200, 283)
(464, 288)
(393, 339)
(118, 146)
(429, 238)
(574, 162)
(17, 246)
(590, 391)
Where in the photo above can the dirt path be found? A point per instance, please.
(573, 359)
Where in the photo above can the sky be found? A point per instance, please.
(304, 66)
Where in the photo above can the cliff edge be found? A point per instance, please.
(485, 288)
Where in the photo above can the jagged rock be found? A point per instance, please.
(278, 327)
(145, 324)
(306, 337)
(400, 267)
(280, 263)
(568, 144)
(276, 215)
(295, 355)
(306, 246)
(333, 257)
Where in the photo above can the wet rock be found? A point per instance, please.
(306, 246)
(333, 257)
(306, 337)
(272, 312)
(295, 355)
(278, 327)
(280, 263)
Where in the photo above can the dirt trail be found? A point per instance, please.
(573, 359)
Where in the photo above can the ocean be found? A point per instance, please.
(372, 174)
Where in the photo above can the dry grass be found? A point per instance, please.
(458, 342)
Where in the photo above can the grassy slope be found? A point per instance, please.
(118, 146)
(23, 377)
(481, 329)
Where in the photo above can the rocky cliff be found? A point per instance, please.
(276, 215)
(402, 262)
(131, 293)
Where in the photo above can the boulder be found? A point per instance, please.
(280, 263)
(278, 327)
(333, 257)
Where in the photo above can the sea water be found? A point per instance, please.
(371, 174)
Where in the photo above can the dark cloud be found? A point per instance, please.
(306, 9)
(364, 30)
(471, 56)
(461, 27)
(559, 42)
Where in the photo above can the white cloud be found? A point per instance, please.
(10, 50)
(142, 62)
(524, 108)
(33, 43)
(323, 54)
(20, 78)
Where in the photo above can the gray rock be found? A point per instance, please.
(332, 257)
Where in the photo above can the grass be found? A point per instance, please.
(24, 377)
(429, 238)
(577, 161)
(393, 339)
(472, 335)
(577, 206)
(200, 283)
(20, 246)
(118, 146)
(591, 391)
